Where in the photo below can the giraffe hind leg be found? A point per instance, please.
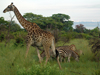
(38, 54)
(46, 48)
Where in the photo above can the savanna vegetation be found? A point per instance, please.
(13, 47)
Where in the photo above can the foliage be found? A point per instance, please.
(67, 36)
(2, 21)
(80, 28)
(20, 38)
(87, 36)
(34, 18)
(2, 37)
(95, 42)
(95, 32)
(3, 24)
(19, 41)
(8, 26)
(14, 26)
(97, 72)
(60, 21)
(63, 21)
(40, 70)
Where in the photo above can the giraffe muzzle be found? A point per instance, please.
(4, 11)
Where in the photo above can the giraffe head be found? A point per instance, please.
(9, 8)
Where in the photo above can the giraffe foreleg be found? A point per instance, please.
(28, 46)
(27, 50)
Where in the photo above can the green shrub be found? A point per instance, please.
(87, 36)
(37, 69)
(95, 43)
(20, 38)
(19, 41)
(2, 37)
(97, 72)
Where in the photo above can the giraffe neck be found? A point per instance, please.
(26, 24)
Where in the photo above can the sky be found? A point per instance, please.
(78, 10)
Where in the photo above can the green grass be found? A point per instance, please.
(12, 61)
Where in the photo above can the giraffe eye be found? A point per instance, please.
(8, 6)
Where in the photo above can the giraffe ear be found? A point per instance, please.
(12, 3)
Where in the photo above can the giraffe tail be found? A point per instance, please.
(57, 53)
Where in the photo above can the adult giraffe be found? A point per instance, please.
(36, 35)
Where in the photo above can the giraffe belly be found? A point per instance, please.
(38, 42)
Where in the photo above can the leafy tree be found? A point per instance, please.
(14, 26)
(60, 17)
(95, 43)
(95, 32)
(38, 19)
(68, 25)
(80, 28)
(4, 25)
(59, 21)
(63, 21)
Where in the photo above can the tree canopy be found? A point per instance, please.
(59, 21)
(4, 25)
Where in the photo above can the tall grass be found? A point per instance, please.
(12, 61)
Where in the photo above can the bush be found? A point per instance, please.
(2, 37)
(20, 38)
(97, 72)
(64, 36)
(19, 41)
(40, 70)
(95, 42)
(87, 36)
